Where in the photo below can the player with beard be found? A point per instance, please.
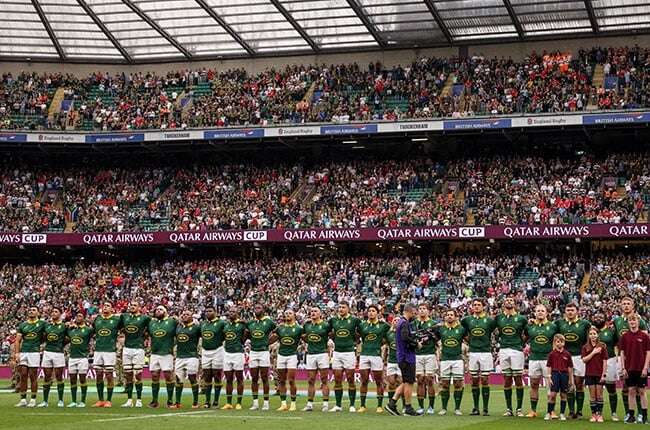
(316, 335)
(479, 327)
(162, 330)
(259, 360)
(452, 365)
(28, 355)
(607, 335)
(289, 335)
(79, 336)
(511, 328)
(576, 333)
(134, 326)
(540, 333)
(53, 357)
(212, 355)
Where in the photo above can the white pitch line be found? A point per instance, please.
(72, 414)
(186, 414)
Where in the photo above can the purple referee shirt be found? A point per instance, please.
(403, 333)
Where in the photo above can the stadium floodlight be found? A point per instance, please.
(419, 139)
(349, 142)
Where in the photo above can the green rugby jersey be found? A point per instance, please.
(479, 332)
(621, 326)
(233, 333)
(345, 333)
(608, 336)
(162, 333)
(212, 334)
(428, 347)
(79, 338)
(540, 338)
(134, 326)
(316, 336)
(259, 332)
(575, 334)
(451, 339)
(55, 336)
(106, 332)
(289, 336)
(372, 336)
(511, 328)
(392, 346)
(187, 340)
(32, 335)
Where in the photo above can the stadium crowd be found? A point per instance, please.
(493, 190)
(540, 83)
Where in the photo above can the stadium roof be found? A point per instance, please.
(141, 31)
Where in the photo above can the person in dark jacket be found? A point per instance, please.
(407, 343)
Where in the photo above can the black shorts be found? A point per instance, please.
(634, 379)
(559, 382)
(408, 372)
(593, 380)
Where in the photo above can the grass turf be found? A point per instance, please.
(117, 418)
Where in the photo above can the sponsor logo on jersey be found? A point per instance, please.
(450, 343)
(287, 341)
(76, 340)
(207, 335)
(314, 337)
(509, 331)
(160, 333)
(478, 331)
(31, 335)
(230, 335)
(393, 345)
(51, 337)
(131, 329)
(182, 337)
(541, 339)
(257, 334)
(104, 332)
(342, 332)
(371, 337)
(571, 337)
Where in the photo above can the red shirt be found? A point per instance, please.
(594, 367)
(560, 361)
(635, 346)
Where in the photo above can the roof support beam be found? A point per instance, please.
(367, 22)
(156, 27)
(592, 16)
(105, 30)
(441, 23)
(285, 13)
(48, 28)
(514, 18)
(226, 27)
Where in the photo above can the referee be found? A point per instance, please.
(406, 343)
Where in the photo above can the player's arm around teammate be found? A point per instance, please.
(540, 332)
(511, 328)
(187, 357)
(426, 362)
(53, 357)
(212, 354)
(27, 349)
(106, 327)
(234, 334)
(344, 330)
(134, 326)
(259, 332)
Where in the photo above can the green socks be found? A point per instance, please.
(84, 392)
(217, 392)
(155, 390)
(109, 393)
(352, 394)
(138, 390)
(507, 392)
(100, 391)
(363, 400)
(195, 393)
(571, 400)
(458, 397)
(208, 393)
(520, 397)
(129, 390)
(170, 392)
(485, 393)
(533, 405)
(73, 392)
(46, 392)
(338, 394)
(444, 395)
(179, 392)
(476, 394)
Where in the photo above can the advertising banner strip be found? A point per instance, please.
(437, 233)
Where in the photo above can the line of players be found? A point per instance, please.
(222, 342)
